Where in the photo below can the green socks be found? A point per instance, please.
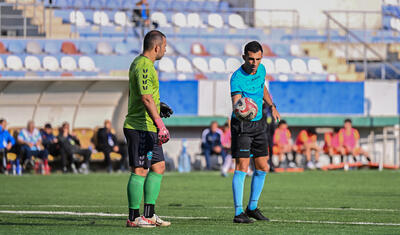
(152, 187)
(135, 190)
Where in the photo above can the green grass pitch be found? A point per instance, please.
(201, 203)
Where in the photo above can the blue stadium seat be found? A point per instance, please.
(178, 6)
(52, 47)
(193, 6)
(80, 3)
(62, 3)
(121, 48)
(115, 4)
(87, 47)
(224, 6)
(16, 46)
(98, 3)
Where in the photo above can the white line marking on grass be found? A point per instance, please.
(216, 207)
(318, 208)
(89, 214)
(334, 222)
(188, 218)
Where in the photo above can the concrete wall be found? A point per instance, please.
(310, 12)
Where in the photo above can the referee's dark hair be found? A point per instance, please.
(152, 38)
(253, 46)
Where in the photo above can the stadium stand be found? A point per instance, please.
(70, 44)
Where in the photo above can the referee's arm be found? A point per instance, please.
(267, 99)
(235, 97)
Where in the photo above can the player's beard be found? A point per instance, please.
(159, 56)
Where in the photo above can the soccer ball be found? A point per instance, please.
(245, 109)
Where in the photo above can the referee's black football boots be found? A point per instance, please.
(256, 214)
(242, 218)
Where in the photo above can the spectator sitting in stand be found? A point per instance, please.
(49, 141)
(349, 140)
(226, 144)
(6, 143)
(283, 144)
(211, 143)
(70, 145)
(107, 143)
(306, 142)
(30, 140)
(332, 146)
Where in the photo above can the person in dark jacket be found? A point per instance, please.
(107, 143)
(49, 141)
(70, 145)
(211, 143)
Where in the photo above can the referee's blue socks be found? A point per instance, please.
(257, 185)
(237, 187)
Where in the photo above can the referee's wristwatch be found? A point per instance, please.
(273, 105)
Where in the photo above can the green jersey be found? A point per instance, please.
(143, 80)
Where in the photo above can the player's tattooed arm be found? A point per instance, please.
(268, 100)
(235, 99)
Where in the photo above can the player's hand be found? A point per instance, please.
(165, 110)
(163, 133)
(276, 114)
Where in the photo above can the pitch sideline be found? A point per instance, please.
(190, 218)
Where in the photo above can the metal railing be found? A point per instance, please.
(352, 38)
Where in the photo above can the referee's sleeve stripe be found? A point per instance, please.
(236, 93)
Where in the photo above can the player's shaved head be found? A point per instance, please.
(253, 46)
(152, 39)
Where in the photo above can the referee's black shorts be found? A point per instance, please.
(249, 138)
(143, 148)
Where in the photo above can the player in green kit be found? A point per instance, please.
(145, 133)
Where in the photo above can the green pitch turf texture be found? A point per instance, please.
(201, 203)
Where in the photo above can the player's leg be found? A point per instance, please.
(137, 177)
(242, 165)
(258, 148)
(152, 184)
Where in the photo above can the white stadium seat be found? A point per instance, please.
(201, 64)
(160, 18)
(183, 65)
(179, 20)
(86, 64)
(231, 49)
(391, 2)
(299, 66)
(181, 77)
(283, 78)
(194, 20)
(2, 67)
(77, 17)
(232, 64)
(51, 63)
(215, 20)
(282, 66)
(169, 51)
(101, 18)
(295, 50)
(269, 65)
(236, 21)
(104, 48)
(166, 65)
(32, 63)
(217, 65)
(120, 18)
(68, 63)
(315, 66)
(14, 62)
